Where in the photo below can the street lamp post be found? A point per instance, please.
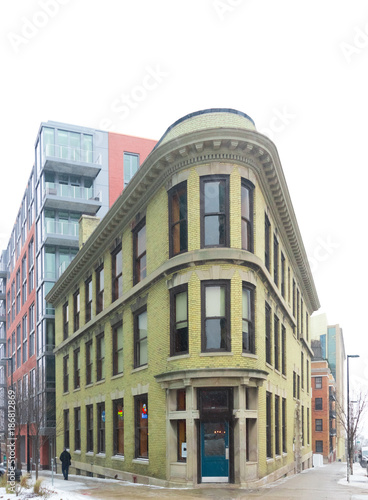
(348, 410)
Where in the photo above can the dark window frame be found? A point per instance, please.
(115, 349)
(250, 322)
(226, 213)
(319, 425)
(175, 196)
(118, 430)
(277, 425)
(89, 428)
(248, 223)
(65, 320)
(276, 342)
(212, 284)
(137, 340)
(66, 373)
(276, 260)
(319, 446)
(100, 357)
(116, 277)
(76, 368)
(269, 450)
(88, 299)
(77, 428)
(139, 270)
(175, 333)
(283, 350)
(318, 382)
(268, 343)
(100, 288)
(89, 361)
(267, 243)
(66, 428)
(318, 404)
(76, 310)
(101, 429)
(141, 432)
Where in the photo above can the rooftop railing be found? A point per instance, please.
(72, 154)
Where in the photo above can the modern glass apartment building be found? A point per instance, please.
(77, 170)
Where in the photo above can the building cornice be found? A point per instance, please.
(236, 146)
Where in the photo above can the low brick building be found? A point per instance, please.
(182, 326)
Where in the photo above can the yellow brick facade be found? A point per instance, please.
(246, 375)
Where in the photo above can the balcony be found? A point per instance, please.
(69, 160)
(73, 198)
(61, 233)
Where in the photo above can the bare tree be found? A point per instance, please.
(357, 409)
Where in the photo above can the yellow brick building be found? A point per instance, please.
(182, 326)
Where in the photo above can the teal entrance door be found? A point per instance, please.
(215, 452)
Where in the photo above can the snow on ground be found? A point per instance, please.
(359, 478)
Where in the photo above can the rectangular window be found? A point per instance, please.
(130, 166)
(302, 369)
(76, 307)
(248, 321)
(303, 420)
(267, 243)
(215, 316)
(318, 404)
(179, 320)
(76, 359)
(282, 274)
(140, 339)
(66, 373)
(308, 425)
(117, 273)
(318, 382)
(277, 425)
(77, 428)
(268, 333)
(99, 289)
(307, 375)
(66, 428)
(65, 320)
(214, 211)
(141, 426)
(268, 425)
(117, 346)
(88, 294)
(31, 266)
(89, 362)
(284, 444)
(100, 356)
(275, 260)
(178, 219)
(118, 409)
(89, 417)
(101, 428)
(247, 215)
(319, 446)
(283, 350)
(276, 346)
(139, 252)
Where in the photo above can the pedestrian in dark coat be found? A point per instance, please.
(65, 459)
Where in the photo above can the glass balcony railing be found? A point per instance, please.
(72, 154)
(65, 228)
(67, 191)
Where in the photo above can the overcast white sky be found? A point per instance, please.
(299, 69)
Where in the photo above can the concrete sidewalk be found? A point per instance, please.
(328, 482)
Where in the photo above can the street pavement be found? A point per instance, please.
(321, 483)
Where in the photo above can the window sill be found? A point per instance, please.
(120, 458)
(77, 452)
(87, 386)
(139, 368)
(270, 460)
(216, 353)
(100, 455)
(249, 355)
(90, 454)
(98, 382)
(269, 365)
(179, 356)
(118, 375)
(76, 389)
(142, 461)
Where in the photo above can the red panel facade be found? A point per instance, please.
(118, 145)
